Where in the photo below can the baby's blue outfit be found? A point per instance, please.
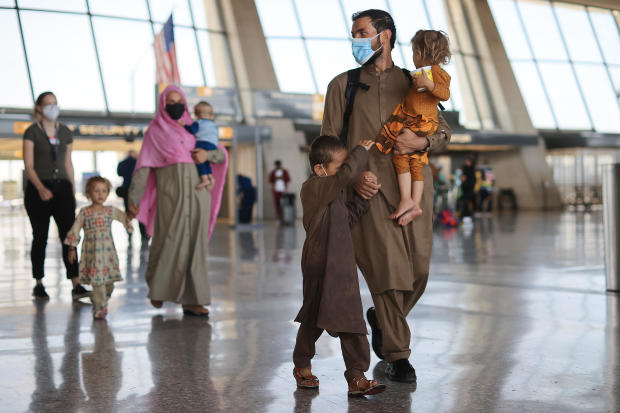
(207, 137)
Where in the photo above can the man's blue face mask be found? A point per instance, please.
(362, 49)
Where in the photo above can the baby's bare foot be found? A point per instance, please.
(415, 212)
(404, 206)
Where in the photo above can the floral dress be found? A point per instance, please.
(99, 262)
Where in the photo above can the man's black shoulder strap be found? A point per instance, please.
(353, 82)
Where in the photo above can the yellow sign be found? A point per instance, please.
(318, 102)
(204, 91)
(20, 127)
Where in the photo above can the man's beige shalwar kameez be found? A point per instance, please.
(394, 260)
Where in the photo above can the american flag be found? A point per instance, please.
(166, 56)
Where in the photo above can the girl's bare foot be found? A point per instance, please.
(410, 216)
(404, 206)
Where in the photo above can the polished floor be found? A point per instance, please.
(515, 318)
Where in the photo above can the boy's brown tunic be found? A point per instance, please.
(331, 289)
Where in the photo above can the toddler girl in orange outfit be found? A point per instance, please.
(418, 112)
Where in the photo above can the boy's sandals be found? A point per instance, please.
(361, 386)
(308, 381)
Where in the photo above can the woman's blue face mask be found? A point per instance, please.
(362, 49)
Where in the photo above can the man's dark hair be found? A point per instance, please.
(381, 20)
(278, 163)
(323, 148)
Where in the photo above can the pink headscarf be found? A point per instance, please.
(165, 143)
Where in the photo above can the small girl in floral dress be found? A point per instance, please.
(99, 263)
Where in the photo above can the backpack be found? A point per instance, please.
(353, 83)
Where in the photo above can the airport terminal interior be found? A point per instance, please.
(521, 312)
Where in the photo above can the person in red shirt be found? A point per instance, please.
(279, 179)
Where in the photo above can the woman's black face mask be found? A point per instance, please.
(175, 110)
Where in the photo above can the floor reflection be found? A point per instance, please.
(179, 350)
(514, 318)
(102, 370)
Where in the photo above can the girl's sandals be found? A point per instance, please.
(305, 380)
(361, 386)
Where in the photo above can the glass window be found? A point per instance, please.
(456, 100)
(478, 85)
(577, 33)
(62, 58)
(510, 29)
(161, 9)
(120, 8)
(409, 17)
(600, 97)
(615, 76)
(58, 5)
(14, 81)
(542, 30)
(533, 94)
(353, 6)
(277, 17)
(322, 18)
(7, 3)
(606, 30)
(217, 70)
(564, 94)
(438, 15)
(329, 58)
(187, 57)
(130, 85)
(199, 13)
(291, 65)
(469, 112)
(408, 55)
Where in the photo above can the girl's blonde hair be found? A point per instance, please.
(90, 184)
(433, 45)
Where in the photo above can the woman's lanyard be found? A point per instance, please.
(53, 149)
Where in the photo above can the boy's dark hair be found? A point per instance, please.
(381, 20)
(322, 149)
(433, 45)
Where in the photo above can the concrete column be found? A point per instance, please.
(524, 170)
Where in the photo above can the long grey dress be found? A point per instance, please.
(177, 266)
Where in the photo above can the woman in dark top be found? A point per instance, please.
(50, 189)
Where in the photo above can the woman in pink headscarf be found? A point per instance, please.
(163, 195)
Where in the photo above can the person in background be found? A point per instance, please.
(486, 190)
(125, 169)
(279, 179)
(247, 197)
(468, 195)
(50, 190)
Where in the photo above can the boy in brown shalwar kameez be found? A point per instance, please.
(332, 299)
